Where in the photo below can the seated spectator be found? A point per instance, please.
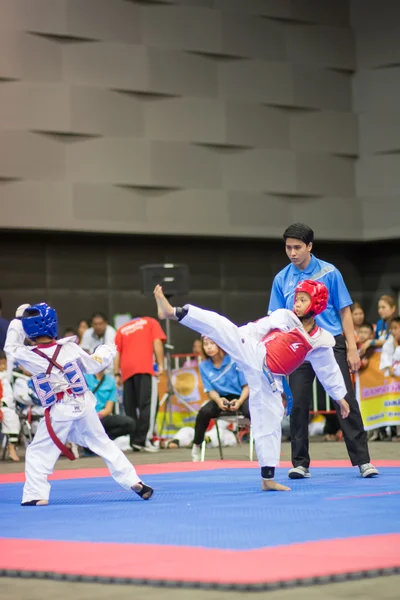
(3, 329)
(358, 316)
(99, 333)
(10, 424)
(365, 333)
(197, 354)
(69, 332)
(82, 327)
(226, 387)
(104, 389)
(387, 309)
(28, 404)
(390, 361)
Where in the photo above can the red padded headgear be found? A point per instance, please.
(318, 293)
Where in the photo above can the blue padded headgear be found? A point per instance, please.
(40, 320)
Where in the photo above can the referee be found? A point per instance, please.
(337, 320)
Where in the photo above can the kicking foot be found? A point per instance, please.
(143, 490)
(269, 485)
(35, 503)
(164, 308)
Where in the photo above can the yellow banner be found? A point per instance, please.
(182, 408)
(379, 396)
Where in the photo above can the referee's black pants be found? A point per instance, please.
(353, 429)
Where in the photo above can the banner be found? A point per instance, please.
(378, 395)
(180, 410)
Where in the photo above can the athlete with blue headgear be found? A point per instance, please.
(58, 368)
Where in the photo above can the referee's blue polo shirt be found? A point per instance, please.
(285, 282)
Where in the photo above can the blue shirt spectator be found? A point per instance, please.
(285, 282)
(105, 390)
(227, 380)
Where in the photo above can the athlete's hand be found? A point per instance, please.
(344, 408)
(353, 359)
(20, 310)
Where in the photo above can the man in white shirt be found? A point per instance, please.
(99, 333)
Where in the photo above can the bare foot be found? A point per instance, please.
(12, 453)
(42, 503)
(164, 308)
(269, 485)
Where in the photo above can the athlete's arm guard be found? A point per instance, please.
(328, 372)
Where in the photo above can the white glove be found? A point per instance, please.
(20, 310)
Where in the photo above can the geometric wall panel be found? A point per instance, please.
(321, 46)
(207, 117)
(376, 99)
(28, 57)
(89, 19)
(380, 132)
(324, 131)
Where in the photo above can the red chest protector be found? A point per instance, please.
(286, 350)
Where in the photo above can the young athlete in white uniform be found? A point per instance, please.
(266, 351)
(57, 368)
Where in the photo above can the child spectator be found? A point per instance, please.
(390, 360)
(387, 309)
(8, 417)
(365, 333)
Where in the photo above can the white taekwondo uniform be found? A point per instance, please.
(280, 342)
(72, 415)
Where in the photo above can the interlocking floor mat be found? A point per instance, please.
(208, 525)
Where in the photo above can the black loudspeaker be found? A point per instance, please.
(173, 278)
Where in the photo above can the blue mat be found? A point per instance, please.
(213, 509)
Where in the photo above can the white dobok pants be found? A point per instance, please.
(87, 431)
(266, 408)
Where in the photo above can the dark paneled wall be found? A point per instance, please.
(80, 274)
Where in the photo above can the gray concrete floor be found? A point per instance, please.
(386, 588)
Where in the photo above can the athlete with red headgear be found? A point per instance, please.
(267, 351)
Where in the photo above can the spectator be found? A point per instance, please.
(358, 316)
(197, 354)
(386, 309)
(99, 333)
(136, 342)
(336, 319)
(365, 333)
(82, 327)
(104, 389)
(10, 424)
(26, 399)
(226, 387)
(69, 332)
(3, 329)
(390, 361)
